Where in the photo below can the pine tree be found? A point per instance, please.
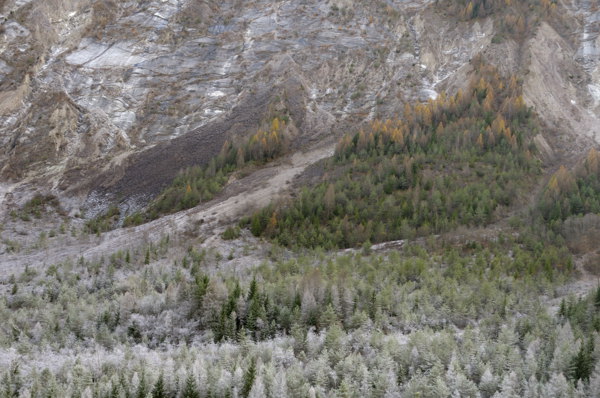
(345, 389)
(594, 386)
(566, 348)
(158, 391)
(142, 389)
(11, 382)
(597, 298)
(458, 383)
(240, 159)
(280, 385)
(581, 365)
(531, 362)
(258, 388)
(190, 390)
(249, 377)
(329, 199)
(115, 391)
(592, 162)
(510, 387)
(557, 387)
(580, 391)
(488, 384)
(562, 311)
(532, 388)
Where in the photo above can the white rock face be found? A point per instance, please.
(138, 74)
(589, 50)
(595, 93)
(95, 55)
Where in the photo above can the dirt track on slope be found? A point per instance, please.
(251, 192)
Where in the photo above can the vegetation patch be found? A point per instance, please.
(105, 222)
(198, 184)
(460, 160)
(448, 319)
(514, 19)
(572, 193)
(37, 206)
(231, 233)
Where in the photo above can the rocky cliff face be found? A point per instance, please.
(102, 99)
(89, 85)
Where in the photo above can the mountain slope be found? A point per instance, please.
(190, 190)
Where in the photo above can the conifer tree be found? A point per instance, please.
(249, 377)
(488, 384)
(280, 385)
(594, 385)
(510, 386)
(190, 390)
(258, 388)
(581, 365)
(532, 388)
(142, 389)
(557, 387)
(158, 391)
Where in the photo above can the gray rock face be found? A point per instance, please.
(105, 95)
(123, 76)
(589, 51)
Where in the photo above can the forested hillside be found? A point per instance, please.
(426, 320)
(457, 160)
(303, 199)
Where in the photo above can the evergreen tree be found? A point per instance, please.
(142, 389)
(594, 386)
(115, 391)
(190, 390)
(510, 386)
(258, 388)
(249, 377)
(158, 391)
(280, 385)
(557, 387)
(580, 390)
(488, 384)
(566, 348)
(581, 365)
(532, 388)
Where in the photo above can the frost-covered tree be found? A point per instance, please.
(158, 391)
(488, 384)
(457, 382)
(594, 386)
(258, 388)
(532, 388)
(580, 390)
(566, 348)
(190, 390)
(510, 386)
(224, 383)
(530, 367)
(280, 385)
(557, 387)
